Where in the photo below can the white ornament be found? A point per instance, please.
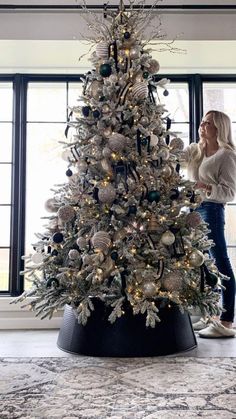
(73, 254)
(154, 140)
(168, 238)
(140, 91)
(66, 213)
(107, 194)
(101, 241)
(117, 142)
(102, 50)
(37, 258)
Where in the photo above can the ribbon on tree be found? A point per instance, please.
(142, 142)
(113, 52)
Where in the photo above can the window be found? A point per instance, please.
(6, 107)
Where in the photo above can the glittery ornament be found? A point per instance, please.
(37, 258)
(134, 52)
(105, 70)
(101, 241)
(172, 281)
(196, 258)
(117, 142)
(149, 289)
(81, 242)
(153, 225)
(193, 219)
(51, 205)
(95, 89)
(82, 167)
(66, 213)
(140, 91)
(102, 50)
(107, 194)
(73, 254)
(176, 144)
(153, 66)
(168, 238)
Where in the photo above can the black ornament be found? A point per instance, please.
(153, 196)
(53, 282)
(96, 114)
(127, 35)
(132, 209)
(105, 70)
(57, 237)
(102, 99)
(69, 173)
(166, 93)
(177, 168)
(114, 255)
(145, 74)
(174, 194)
(86, 111)
(54, 252)
(144, 141)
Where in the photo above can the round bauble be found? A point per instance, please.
(117, 142)
(193, 219)
(107, 132)
(82, 167)
(166, 171)
(95, 89)
(106, 108)
(102, 50)
(196, 258)
(96, 114)
(166, 93)
(73, 254)
(134, 52)
(69, 173)
(107, 194)
(174, 194)
(127, 35)
(66, 213)
(106, 166)
(153, 196)
(145, 74)
(168, 238)
(114, 255)
(105, 70)
(154, 140)
(106, 152)
(172, 282)
(149, 289)
(101, 241)
(176, 144)
(86, 111)
(58, 238)
(144, 120)
(37, 258)
(164, 153)
(140, 91)
(52, 282)
(51, 205)
(153, 66)
(82, 243)
(132, 210)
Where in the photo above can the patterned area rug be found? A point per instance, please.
(116, 388)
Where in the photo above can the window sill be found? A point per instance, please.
(12, 316)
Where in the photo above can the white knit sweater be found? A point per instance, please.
(218, 170)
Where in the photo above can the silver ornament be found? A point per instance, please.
(82, 167)
(101, 241)
(51, 205)
(144, 121)
(134, 52)
(140, 91)
(107, 194)
(106, 152)
(168, 238)
(193, 219)
(107, 132)
(172, 281)
(117, 142)
(152, 66)
(154, 140)
(73, 254)
(166, 171)
(106, 108)
(196, 258)
(81, 242)
(95, 89)
(164, 153)
(176, 144)
(149, 289)
(37, 258)
(66, 213)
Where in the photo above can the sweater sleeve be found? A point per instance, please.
(225, 190)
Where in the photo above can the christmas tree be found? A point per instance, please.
(122, 228)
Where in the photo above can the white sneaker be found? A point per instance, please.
(217, 330)
(201, 324)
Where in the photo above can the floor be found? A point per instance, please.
(43, 343)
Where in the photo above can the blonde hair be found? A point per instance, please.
(224, 137)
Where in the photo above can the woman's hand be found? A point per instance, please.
(204, 186)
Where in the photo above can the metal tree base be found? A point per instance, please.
(128, 336)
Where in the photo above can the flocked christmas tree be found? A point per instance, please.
(122, 228)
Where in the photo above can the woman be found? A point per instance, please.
(212, 165)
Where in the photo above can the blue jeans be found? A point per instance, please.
(214, 214)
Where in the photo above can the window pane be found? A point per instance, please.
(232, 257)
(75, 90)
(6, 98)
(220, 96)
(177, 102)
(230, 230)
(5, 173)
(5, 226)
(5, 142)
(44, 169)
(46, 102)
(4, 269)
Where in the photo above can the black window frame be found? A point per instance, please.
(19, 149)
